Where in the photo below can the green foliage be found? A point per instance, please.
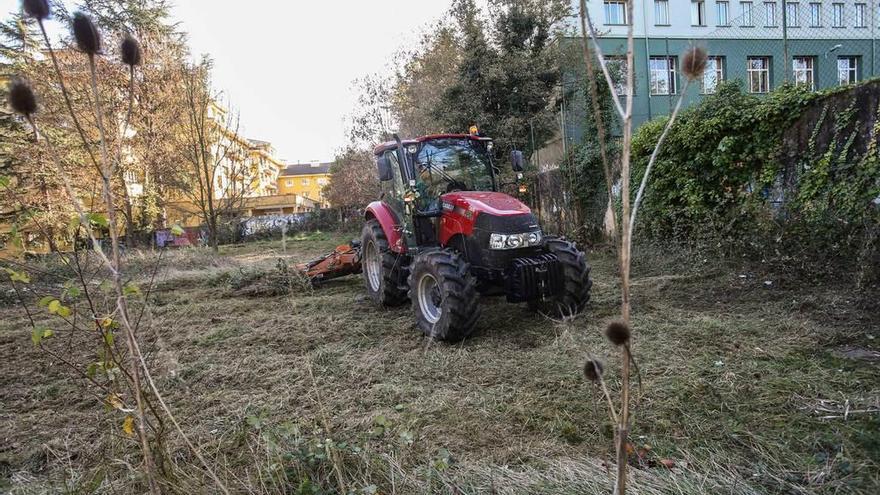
(507, 75)
(726, 161)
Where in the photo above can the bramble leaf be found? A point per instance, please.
(44, 302)
(99, 219)
(131, 290)
(36, 336)
(54, 306)
(4, 181)
(64, 312)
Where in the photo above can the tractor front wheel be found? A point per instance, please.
(444, 295)
(576, 281)
(384, 270)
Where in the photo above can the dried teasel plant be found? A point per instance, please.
(150, 408)
(620, 333)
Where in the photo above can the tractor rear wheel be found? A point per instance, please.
(384, 270)
(444, 295)
(576, 280)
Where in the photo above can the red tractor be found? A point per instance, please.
(442, 235)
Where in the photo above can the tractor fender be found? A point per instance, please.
(388, 220)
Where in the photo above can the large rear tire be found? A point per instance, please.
(384, 270)
(577, 283)
(444, 295)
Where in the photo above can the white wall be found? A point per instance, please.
(681, 26)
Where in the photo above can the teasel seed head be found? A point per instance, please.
(38, 9)
(130, 50)
(593, 370)
(21, 98)
(694, 64)
(618, 332)
(86, 34)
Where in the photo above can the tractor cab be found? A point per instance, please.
(442, 234)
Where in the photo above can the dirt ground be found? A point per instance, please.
(751, 383)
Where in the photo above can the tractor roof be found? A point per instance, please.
(390, 145)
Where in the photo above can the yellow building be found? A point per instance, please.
(307, 180)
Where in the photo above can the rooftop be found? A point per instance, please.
(306, 169)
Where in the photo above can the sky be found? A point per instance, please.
(288, 66)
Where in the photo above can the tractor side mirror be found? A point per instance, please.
(517, 160)
(384, 166)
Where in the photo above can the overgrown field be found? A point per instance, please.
(752, 382)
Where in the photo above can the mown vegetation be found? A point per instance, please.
(747, 387)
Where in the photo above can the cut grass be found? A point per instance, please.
(734, 372)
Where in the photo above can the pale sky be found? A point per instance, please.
(288, 66)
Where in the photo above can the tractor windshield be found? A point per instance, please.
(454, 164)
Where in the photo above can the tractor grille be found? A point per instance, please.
(533, 279)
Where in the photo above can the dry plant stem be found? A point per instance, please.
(131, 339)
(602, 63)
(597, 111)
(118, 161)
(66, 95)
(669, 124)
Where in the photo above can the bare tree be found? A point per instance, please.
(216, 175)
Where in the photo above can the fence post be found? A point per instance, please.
(284, 237)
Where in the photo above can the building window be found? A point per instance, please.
(288, 183)
(661, 12)
(617, 69)
(759, 74)
(306, 182)
(803, 71)
(847, 70)
(615, 12)
(714, 74)
(770, 14)
(837, 15)
(861, 20)
(663, 75)
(793, 14)
(745, 14)
(322, 182)
(698, 12)
(815, 15)
(723, 9)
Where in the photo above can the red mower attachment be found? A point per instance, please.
(343, 261)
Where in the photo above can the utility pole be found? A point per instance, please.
(786, 62)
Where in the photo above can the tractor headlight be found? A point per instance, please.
(515, 241)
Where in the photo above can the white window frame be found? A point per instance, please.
(849, 74)
(861, 20)
(661, 12)
(618, 8)
(763, 74)
(815, 14)
(803, 71)
(746, 13)
(288, 183)
(306, 182)
(698, 13)
(770, 14)
(659, 74)
(713, 75)
(793, 14)
(722, 10)
(837, 13)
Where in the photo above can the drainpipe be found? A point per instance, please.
(785, 40)
(647, 55)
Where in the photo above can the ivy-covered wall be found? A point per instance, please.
(792, 173)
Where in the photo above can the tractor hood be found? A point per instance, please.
(492, 203)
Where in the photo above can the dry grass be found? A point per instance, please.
(738, 378)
